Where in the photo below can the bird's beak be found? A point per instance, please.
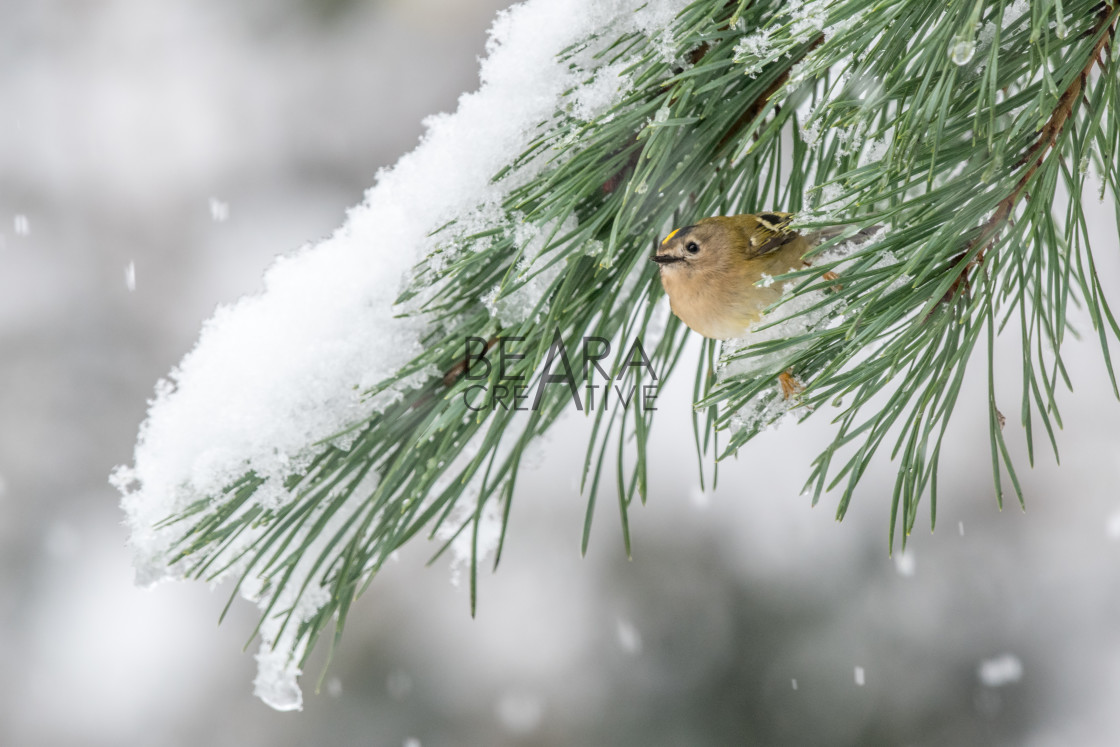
(665, 259)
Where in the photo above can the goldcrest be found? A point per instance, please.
(712, 270)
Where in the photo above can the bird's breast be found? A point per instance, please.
(724, 305)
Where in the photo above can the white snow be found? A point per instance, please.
(875, 150)
(593, 99)
(275, 372)
(629, 637)
(753, 51)
(1017, 10)
(809, 18)
(904, 563)
(219, 210)
(1000, 670)
(277, 682)
(532, 271)
(699, 498)
(984, 39)
(987, 33)
(520, 712)
(489, 529)
(802, 22)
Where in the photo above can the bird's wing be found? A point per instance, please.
(771, 232)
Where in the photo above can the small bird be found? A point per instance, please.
(712, 270)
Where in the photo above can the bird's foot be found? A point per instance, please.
(791, 387)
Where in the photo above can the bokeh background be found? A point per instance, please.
(194, 141)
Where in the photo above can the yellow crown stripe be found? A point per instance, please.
(671, 235)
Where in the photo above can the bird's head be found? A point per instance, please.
(689, 248)
(717, 243)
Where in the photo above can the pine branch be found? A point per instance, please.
(934, 353)
(853, 115)
(759, 105)
(1104, 31)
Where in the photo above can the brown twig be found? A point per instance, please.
(456, 372)
(451, 377)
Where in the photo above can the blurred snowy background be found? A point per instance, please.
(154, 158)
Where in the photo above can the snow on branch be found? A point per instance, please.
(277, 372)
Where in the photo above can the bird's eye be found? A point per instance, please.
(692, 247)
